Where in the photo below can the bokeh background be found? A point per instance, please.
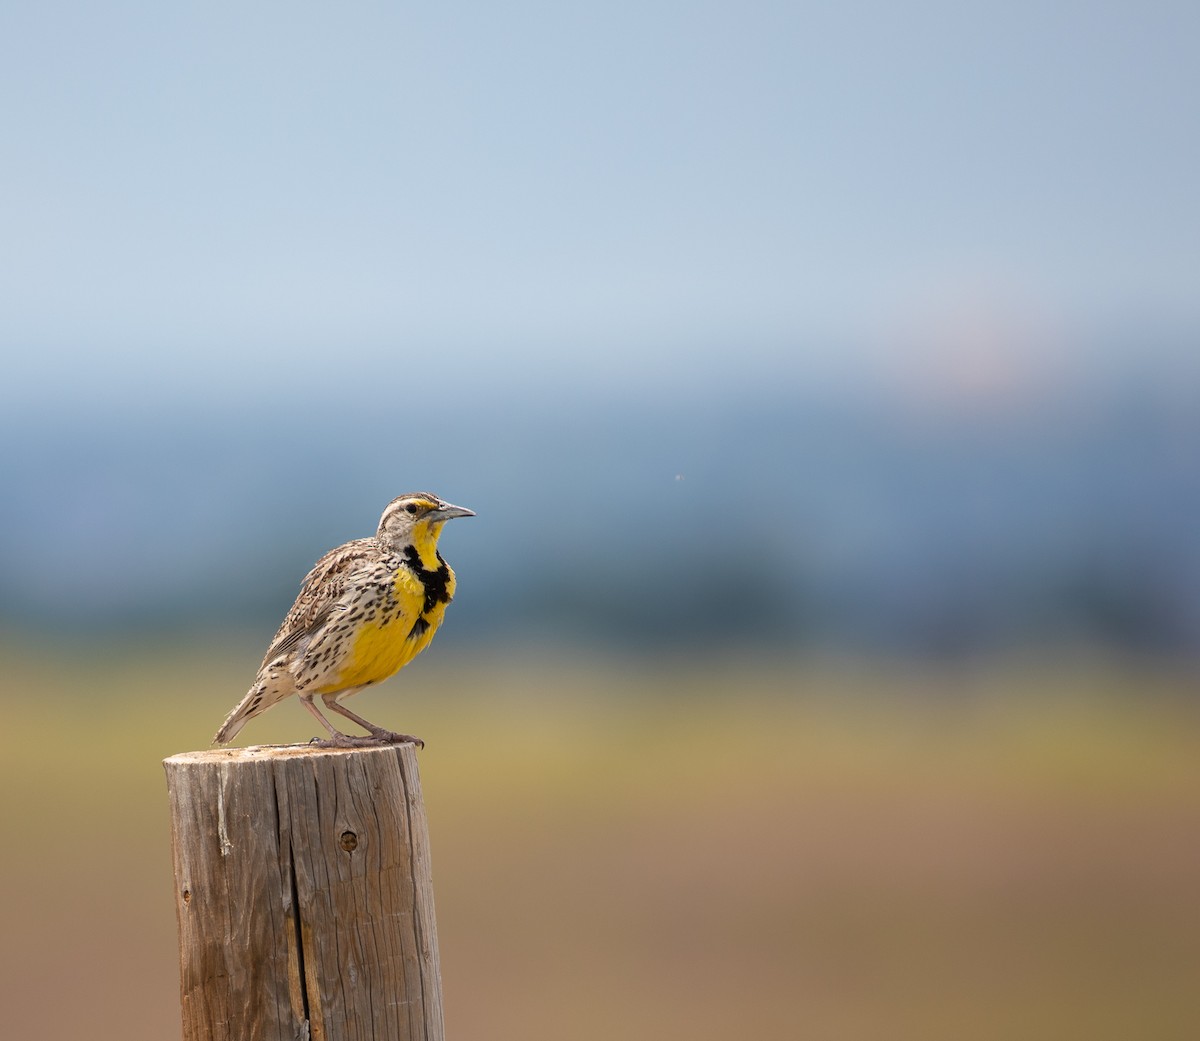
(826, 379)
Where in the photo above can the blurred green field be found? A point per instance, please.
(663, 849)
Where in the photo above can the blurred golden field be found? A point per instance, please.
(651, 850)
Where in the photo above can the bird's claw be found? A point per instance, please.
(376, 739)
(390, 737)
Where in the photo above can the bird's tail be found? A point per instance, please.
(251, 705)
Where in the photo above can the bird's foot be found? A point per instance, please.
(390, 737)
(376, 739)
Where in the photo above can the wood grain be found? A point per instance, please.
(304, 895)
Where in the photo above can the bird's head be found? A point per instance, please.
(416, 518)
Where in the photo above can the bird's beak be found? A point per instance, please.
(446, 511)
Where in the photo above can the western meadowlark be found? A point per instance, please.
(364, 611)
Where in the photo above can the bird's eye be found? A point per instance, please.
(411, 507)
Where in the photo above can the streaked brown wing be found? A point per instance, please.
(320, 591)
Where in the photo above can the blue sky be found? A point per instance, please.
(204, 197)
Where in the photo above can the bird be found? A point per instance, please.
(365, 610)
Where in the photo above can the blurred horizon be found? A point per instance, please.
(993, 502)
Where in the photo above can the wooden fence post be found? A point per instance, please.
(304, 896)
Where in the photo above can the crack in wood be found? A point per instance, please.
(303, 1030)
(299, 932)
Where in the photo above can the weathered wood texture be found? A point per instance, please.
(304, 896)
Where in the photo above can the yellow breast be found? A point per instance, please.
(398, 633)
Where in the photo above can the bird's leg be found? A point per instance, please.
(378, 734)
(336, 738)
